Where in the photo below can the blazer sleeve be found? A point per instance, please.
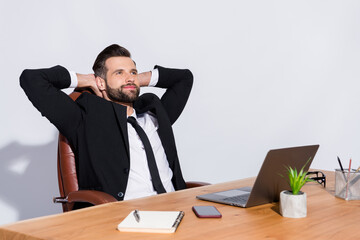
(43, 88)
(178, 84)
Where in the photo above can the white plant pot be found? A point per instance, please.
(293, 206)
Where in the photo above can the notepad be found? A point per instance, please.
(152, 222)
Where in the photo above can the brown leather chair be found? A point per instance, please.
(68, 182)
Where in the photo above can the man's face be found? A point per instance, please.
(122, 83)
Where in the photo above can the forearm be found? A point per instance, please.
(178, 84)
(42, 86)
(144, 79)
(174, 78)
(35, 80)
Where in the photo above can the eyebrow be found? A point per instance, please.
(121, 69)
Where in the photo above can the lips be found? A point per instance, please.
(130, 86)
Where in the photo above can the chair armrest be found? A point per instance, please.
(196, 184)
(90, 196)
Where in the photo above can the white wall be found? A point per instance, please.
(268, 74)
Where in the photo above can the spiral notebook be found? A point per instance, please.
(152, 222)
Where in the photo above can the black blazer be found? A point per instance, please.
(97, 128)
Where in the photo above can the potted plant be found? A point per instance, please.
(293, 203)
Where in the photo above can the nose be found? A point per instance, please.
(130, 78)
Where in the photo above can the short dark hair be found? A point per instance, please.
(113, 50)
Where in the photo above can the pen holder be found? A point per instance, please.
(347, 186)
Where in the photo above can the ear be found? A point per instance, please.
(100, 82)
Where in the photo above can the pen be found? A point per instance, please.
(347, 182)
(341, 167)
(137, 215)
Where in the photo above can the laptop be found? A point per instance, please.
(269, 182)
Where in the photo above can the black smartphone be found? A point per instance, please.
(206, 212)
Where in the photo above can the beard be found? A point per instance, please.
(118, 94)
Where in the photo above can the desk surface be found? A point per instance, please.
(328, 218)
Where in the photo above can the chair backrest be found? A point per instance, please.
(66, 165)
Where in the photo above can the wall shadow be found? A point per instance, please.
(29, 192)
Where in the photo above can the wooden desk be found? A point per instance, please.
(328, 218)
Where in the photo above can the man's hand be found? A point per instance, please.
(88, 81)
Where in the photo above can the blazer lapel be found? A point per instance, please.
(121, 116)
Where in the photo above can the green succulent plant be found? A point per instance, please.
(297, 179)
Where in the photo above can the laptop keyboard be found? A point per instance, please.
(239, 198)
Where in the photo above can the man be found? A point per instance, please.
(111, 156)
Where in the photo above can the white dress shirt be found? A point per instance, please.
(139, 183)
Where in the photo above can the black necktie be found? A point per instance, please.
(154, 172)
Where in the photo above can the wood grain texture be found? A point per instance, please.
(328, 218)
